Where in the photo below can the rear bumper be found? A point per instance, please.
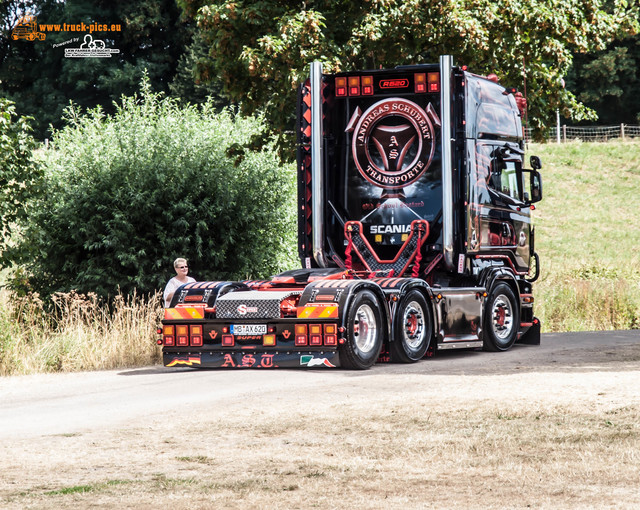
(249, 358)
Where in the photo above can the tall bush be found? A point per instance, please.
(20, 177)
(127, 194)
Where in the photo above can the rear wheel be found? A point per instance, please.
(364, 332)
(501, 319)
(412, 330)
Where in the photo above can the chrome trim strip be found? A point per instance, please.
(460, 345)
(446, 65)
(317, 195)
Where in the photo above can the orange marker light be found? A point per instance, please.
(354, 85)
(433, 82)
(420, 82)
(367, 85)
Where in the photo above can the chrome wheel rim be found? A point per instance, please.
(502, 317)
(413, 328)
(365, 329)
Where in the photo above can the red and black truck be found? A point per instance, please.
(415, 232)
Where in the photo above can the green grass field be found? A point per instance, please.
(588, 236)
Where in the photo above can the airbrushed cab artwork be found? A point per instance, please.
(415, 234)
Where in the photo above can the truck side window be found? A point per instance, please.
(504, 178)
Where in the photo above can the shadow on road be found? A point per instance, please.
(558, 352)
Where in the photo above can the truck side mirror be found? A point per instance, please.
(535, 186)
(536, 164)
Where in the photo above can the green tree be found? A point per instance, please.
(608, 81)
(126, 194)
(38, 77)
(20, 177)
(261, 49)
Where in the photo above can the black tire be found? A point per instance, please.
(364, 332)
(412, 329)
(501, 319)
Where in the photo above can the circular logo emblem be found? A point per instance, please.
(393, 143)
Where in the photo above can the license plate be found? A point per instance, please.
(248, 329)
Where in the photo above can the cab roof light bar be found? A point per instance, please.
(426, 82)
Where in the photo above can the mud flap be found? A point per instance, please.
(532, 335)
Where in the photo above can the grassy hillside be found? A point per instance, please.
(588, 236)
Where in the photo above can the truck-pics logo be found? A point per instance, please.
(27, 28)
(393, 141)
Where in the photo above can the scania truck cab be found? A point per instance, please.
(415, 233)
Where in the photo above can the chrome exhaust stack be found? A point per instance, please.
(317, 178)
(446, 66)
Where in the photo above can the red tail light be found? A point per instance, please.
(301, 334)
(228, 341)
(420, 82)
(196, 336)
(330, 334)
(341, 86)
(168, 335)
(182, 332)
(315, 334)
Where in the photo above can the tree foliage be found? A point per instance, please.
(261, 49)
(20, 177)
(127, 194)
(609, 81)
(38, 77)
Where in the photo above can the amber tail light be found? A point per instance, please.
(196, 335)
(168, 335)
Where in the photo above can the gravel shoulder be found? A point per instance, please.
(142, 437)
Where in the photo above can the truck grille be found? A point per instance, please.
(252, 304)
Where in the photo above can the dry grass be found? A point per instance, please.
(79, 334)
(459, 442)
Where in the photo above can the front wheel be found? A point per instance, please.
(364, 332)
(501, 319)
(412, 330)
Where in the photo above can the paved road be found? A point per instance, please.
(45, 405)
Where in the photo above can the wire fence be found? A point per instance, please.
(590, 133)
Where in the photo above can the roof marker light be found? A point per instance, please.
(433, 82)
(420, 83)
(367, 85)
(354, 85)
